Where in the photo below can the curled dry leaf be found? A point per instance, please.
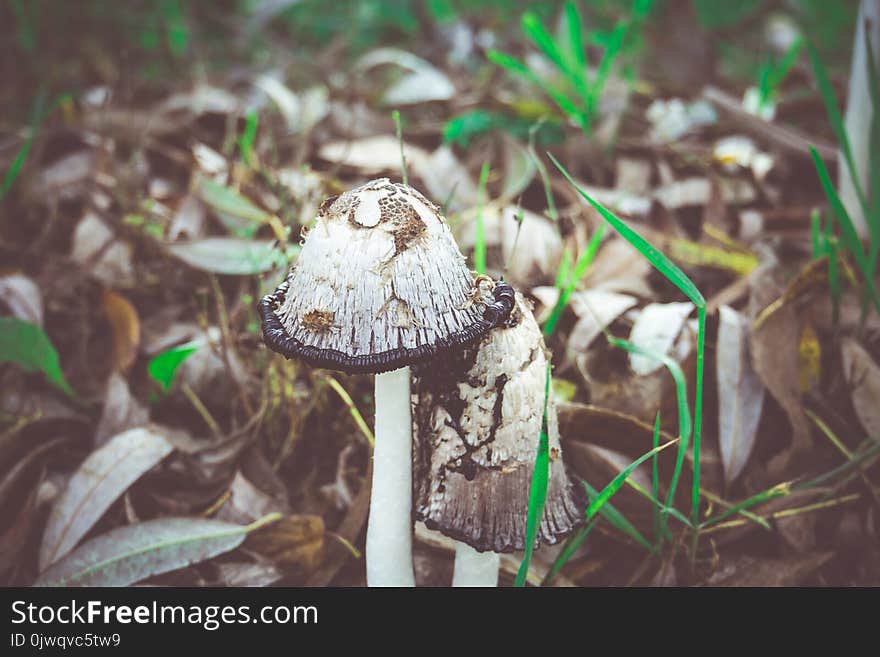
(294, 542)
(519, 169)
(422, 83)
(65, 178)
(547, 297)
(227, 255)
(243, 574)
(189, 219)
(23, 298)
(595, 310)
(248, 503)
(125, 328)
(655, 330)
(210, 161)
(532, 257)
(621, 201)
(618, 267)
(126, 555)
(121, 410)
(698, 191)
(863, 377)
(203, 98)
(633, 175)
(373, 155)
(740, 393)
(446, 179)
(752, 571)
(301, 110)
(775, 359)
(98, 482)
(535, 254)
(13, 540)
(96, 248)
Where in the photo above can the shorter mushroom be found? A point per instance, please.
(477, 422)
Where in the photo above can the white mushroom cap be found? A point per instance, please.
(379, 284)
(476, 427)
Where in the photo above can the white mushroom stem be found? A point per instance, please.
(389, 529)
(474, 568)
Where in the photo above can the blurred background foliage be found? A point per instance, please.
(67, 44)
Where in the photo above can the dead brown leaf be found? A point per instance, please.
(125, 328)
(295, 543)
(775, 358)
(752, 571)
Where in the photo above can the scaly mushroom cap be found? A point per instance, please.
(477, 427)
(379, 284)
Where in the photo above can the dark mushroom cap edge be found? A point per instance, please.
(278, 340)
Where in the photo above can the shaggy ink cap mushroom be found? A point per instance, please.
(379, 284)
(477, 422)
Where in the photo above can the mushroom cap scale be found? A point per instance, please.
(379, 284)
(476, 431)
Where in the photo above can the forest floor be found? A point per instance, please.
(154, 194)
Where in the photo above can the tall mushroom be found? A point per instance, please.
(378, 286)
(477, 426)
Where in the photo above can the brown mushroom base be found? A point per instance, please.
(477, 421)
(279, 340)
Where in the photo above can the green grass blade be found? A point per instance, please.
(659, 261)
(834, 281)
(572, 280)
(163, 367)
(596, 506)
(663, 508)
(396, 116)
(684, 417)
(815, 232)
(779, 72)
(618, 520)
(37, 118)
(655, 479)
(517, 67)
(537, 491)
(779, 490)
(834, 116)
(539, 35)
(572, 545)
(850, 237)
(480, 238)
(248, 136)
(575, 38)
(17, 164)
(564, 270)
(609, 56)
(873, 216)
(28, 346)
(542, 170)
(832, 474)
(698, 411)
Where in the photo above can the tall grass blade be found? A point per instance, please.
(480, 239)
(596, 506)
(569, 286)
(834, 116)
(537, 491)
(617, 519)
(660, 262)
(396, 116)
(850, 237)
